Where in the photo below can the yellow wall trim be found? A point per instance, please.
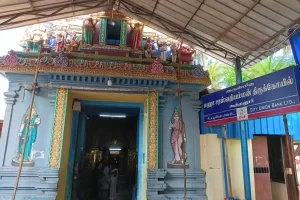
(58, 128)
(153, 131)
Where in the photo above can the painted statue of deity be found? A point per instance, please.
(59, 46)
(33, 121)
(174, 51)
(149, 48)
(137, 31)
(72, 44)
(88, 30)
(163, 51)
(178, 139)
(34, 40)
(187, 55)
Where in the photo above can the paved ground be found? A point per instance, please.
(124, 192)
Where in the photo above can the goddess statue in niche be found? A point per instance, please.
(34, 121)
(88, 30)
(177, 138)
(137, 30)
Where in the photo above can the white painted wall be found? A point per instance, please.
(212, 164)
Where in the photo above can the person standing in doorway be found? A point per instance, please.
(105, 181)
(113, 183)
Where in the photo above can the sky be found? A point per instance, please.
(9, 39)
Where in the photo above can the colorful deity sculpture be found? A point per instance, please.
(149, 48)
(59, 46)
(34, 120)
(177, 139)
(33, 40)
(174, 51)
(186, 55)
(72, 44)
(136, 35)
(88, 30)
(163, 51)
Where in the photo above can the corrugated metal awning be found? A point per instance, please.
(223, 29)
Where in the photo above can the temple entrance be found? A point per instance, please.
(107, 139)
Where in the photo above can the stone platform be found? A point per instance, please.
(166, 184)
(35, 183)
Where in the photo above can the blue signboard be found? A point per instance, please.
(273, 94)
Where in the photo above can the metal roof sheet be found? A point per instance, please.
(222, 29)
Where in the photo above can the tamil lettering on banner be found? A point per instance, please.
(269, 95)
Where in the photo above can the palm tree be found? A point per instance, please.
(221, 75)
(267, 66)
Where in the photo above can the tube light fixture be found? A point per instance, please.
(115, 149)
(113, 115)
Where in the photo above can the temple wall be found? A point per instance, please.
(18, 102)
(36, 166)
(191, 120)
(44, 130)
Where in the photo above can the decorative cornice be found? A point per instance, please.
(75, 64)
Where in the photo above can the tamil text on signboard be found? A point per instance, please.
(273, 94)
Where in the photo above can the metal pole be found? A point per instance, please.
(27, 125)
(179, 91)
(290, 171)
(227, 160)
(243, 136)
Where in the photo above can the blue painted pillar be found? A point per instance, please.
(80, 147)
(244, 138)
(72, 150)
(141, 161)
(295, 44)
(10, 101)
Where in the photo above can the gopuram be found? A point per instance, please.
(100, 59)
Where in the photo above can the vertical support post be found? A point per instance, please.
(10, 101)
(244, 142)
(225, 169)
(161, 104)
(140, 154)
(227, 162)
(295, 45)
(290, 169)
(69, 185)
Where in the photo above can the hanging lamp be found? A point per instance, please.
(111, 21)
